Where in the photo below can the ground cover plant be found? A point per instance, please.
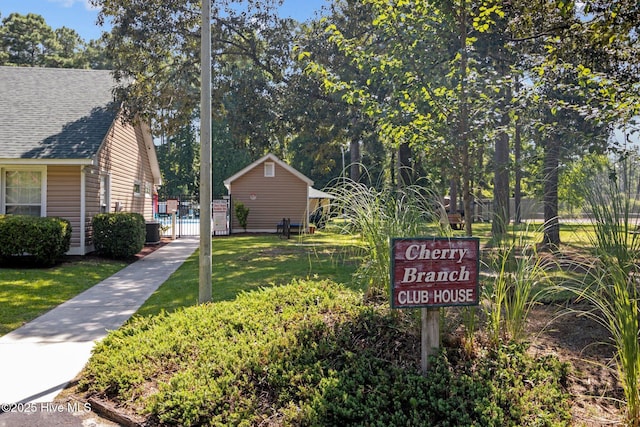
(189, 392)
(313, 353)
(26, 293)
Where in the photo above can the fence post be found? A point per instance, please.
(173, 226)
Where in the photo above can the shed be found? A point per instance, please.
(272, 190)
(65, 150)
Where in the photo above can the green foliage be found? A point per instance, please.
(312, 353)
(179, 159)
(378, 215)
(611, 286)
(517, 273)
(119, 235)
(46, 240)
(242, 213)
(27, 40)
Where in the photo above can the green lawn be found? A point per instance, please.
(243, 263)
(572, 234)
(27, 293)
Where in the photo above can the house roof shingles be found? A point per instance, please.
(54, 113)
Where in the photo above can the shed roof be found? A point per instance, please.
(272, 158)
(54, 113)
(318, 194)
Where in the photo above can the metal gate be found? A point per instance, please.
(187, 217)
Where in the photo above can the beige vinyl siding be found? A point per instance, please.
(124, 156)
(282, 196)
(63, 197)
(92, 201)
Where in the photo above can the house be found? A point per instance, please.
(272, 190)
(65, 150)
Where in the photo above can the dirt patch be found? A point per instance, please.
(587, 346)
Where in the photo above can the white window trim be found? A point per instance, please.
(148, 189)
(106, 176)
(269, 169)
(139, 185)
(43, 184)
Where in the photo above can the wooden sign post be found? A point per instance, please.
(433, 272)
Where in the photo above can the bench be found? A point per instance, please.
(284, 228)
(456, 221)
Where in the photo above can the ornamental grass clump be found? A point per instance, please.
(518, 275)
(377, 215)
(611, 285)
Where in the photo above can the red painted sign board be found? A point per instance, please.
(434, 272)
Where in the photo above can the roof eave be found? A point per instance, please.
(67, 162)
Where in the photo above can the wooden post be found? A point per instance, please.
(174, 225)
(205, 263)
(430, 335)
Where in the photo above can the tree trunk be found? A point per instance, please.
(517, 148)
(453, 194)
(501, 218)
(551, 238)
(404, 165)
(518, 171)
(354, 167)
(463, 122)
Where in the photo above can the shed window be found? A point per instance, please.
(269, 169)
(23, 192)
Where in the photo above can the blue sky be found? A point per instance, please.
(78, 15)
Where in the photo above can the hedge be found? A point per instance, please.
(119, 235)
(46, 240)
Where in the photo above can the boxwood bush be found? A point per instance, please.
(119, 235)
(45, 240)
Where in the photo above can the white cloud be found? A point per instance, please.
(69, 3)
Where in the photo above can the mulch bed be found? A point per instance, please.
(150, 248)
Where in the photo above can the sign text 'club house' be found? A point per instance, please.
(434, 272)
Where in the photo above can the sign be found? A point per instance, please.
(220, 217)
(434, 272)
(172, 206)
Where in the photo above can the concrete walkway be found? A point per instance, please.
(39, 359)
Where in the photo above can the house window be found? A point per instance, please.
(147, 189)
(24, 192)
(269, 169)
(105, 193)
(137, 188)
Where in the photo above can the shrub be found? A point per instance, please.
(46, 240)
(313, 353)
(242, 213)
(119, 235)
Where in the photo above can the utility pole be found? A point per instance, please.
(205, 285)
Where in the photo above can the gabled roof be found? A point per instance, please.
(271, 158)
(318, 194)
(54, 113)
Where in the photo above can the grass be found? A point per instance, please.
(244, 263)
(27, 293)
(241, 263)
(578, 235)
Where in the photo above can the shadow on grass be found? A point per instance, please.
(245, 263)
